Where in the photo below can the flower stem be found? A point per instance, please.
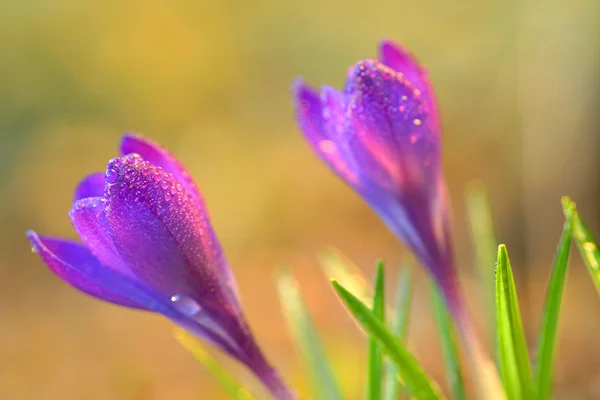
(270, 378)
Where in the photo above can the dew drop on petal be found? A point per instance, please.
(185, 304)
(112, 176)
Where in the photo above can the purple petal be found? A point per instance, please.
(392, 126)
(322, 121)
(91, 186)
(75, 264)
(401, 60)
(68, 259)
(309, 113)
(162, 232)
(160, 157)
(89, 219)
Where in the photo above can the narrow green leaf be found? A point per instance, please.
(375, 355)
(399, 329)
(512, 348)
(587, 245)
(229, 383)
(411, 373)
(302, 328)
(447, 334)
(548, 328)
(484, 245)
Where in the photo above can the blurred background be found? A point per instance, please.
(518, 86)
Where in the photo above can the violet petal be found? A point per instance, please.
(401, 60)
(165, 237)
(160, 157)
(322, 122)
(68, 259)
(89, 220)
(91, 186)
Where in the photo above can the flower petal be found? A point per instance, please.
(89, 220)
(91, 186)
(401, 60)
(160, 157)
(321, 119)
(392, 125)
(76, 265)
(68, 259)
(164, 235)
(309, 113)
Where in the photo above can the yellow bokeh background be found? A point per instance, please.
(517, 84)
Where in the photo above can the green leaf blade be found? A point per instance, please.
(227, 381)
(413, 375)
(548, 329)
(399, 330)
(375, 355)
(587, 245)
(448, 339)
(324, 384)
(512, 347)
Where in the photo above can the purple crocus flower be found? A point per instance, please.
(381, 135)
(148, 244)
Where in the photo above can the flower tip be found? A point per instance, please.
(34, 240)
(31, 235)
(301, 90)
(386, 45)
(131, 135)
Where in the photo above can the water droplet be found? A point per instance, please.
(417, 121)
(111, 176)
(173, 190)
(185, 304)
(164, 185)
(156, 177)
(145, 171)
(167, 197)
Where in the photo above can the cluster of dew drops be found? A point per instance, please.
(405, 101)
(142, 178)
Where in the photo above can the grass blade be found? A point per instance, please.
(447, 334)
(375, 355)
(229, 383)
(587, 245)
(302, 328)
(484, 245)
(512, 348)
(399, 329)
(548, 329)
(412, 374)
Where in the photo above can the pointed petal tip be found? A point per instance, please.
(303, 92)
